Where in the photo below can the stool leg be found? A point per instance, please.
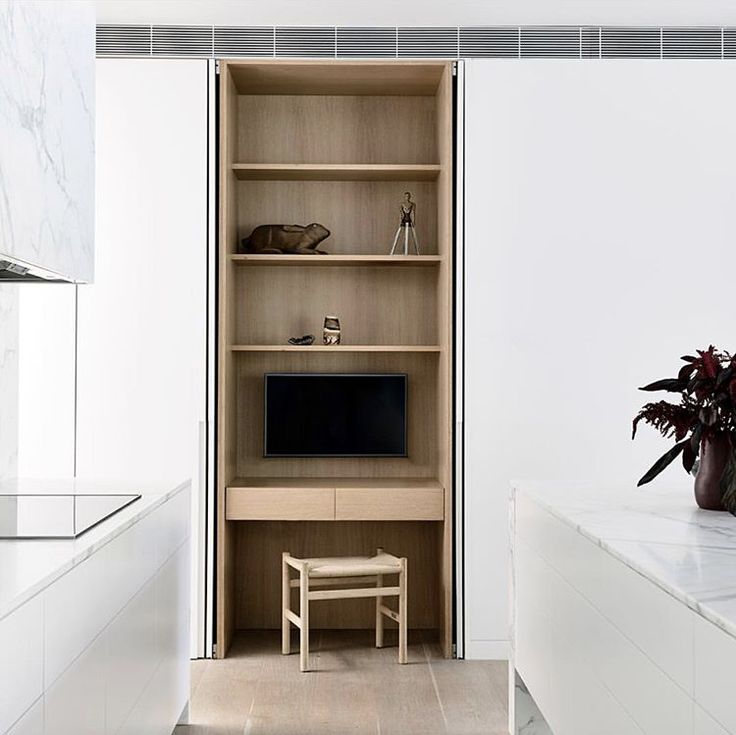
(285, 605)
(402, 613)
(304, 616)
(379, 614)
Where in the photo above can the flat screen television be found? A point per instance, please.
(335, 415)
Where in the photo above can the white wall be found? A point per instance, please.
(599, 244)
(417, 12)
(46, 377)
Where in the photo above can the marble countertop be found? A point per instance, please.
(28, 566)
(661, 534)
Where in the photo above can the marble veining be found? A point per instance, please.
(28, 566)
(47, 134)
(8, 380)
(661, 534)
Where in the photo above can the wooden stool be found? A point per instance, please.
(329, 572)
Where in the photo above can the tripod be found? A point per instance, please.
(407, 228)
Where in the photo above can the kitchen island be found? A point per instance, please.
(94, 631)
(623, 613)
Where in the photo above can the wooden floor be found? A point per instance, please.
(354, 688)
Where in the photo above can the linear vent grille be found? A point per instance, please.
(502, 42)
(182, 41)
(114, 40)
(550, 43)
(729, 43)
(367, 42)
(691, 43)
(433, 43)
(630, 43)
(590, 43)
(490, 43)
(232, 41)
(305, 41)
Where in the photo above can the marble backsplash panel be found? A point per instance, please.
(47, 134)
(8, 380)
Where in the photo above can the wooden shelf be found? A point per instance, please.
(338, 260)
(335, 172)
(335, 348)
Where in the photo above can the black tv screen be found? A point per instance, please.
(335, 415)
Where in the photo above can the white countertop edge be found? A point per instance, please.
(724, 624)
(144, 506)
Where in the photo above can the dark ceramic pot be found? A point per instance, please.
(714, 482)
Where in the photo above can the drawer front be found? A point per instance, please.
(280, 504)
(381, 504)
(31, 723)
(75, 704)
(564, 644)
(21, 660)
(715, 653)
(656, 623)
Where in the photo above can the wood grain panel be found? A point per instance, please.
(291, 129)
(421, 416)
(361, 215)
(396, 504)
(280, 503)
(258, 559)
(380, 306)
(337, 77)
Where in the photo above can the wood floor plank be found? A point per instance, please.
(354, 689)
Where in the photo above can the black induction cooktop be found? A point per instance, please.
(56, 516)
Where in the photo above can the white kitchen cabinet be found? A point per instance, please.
(31, 723)
(99, 637)
(75, 702)
(21, 662)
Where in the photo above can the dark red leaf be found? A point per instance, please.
(661, 463)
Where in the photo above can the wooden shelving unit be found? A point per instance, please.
(337, 143)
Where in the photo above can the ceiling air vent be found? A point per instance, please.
(231, 41)
(182, 40)
(114, 40)
(630, 43)
(590, 42)
(490, 43)
(552, 42)
(729, 43)
(691, 43)
(305, 41)
(439, 43)
(366, 42)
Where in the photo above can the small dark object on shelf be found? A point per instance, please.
(285, 239)
(307, 339)
(331, 331)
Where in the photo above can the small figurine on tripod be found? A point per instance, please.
(407, 212)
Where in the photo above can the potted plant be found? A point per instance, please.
(703, 425)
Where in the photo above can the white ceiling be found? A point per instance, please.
(418, 12)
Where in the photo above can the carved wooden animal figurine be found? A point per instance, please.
(285, 239)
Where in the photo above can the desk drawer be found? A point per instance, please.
(280, 504)
(394, 504)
